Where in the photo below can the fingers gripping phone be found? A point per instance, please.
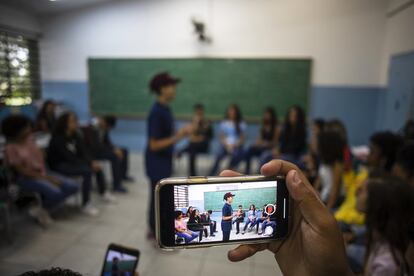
(209, 211)
(120, 260)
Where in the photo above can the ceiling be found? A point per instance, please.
(42, 7)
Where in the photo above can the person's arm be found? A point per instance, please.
(336, 185)
(242, 139)
(58, 148)
(314, 233)
(163, 143)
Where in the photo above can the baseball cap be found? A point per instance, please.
(227, 195)
(162, 79)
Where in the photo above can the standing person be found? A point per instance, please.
(227, 216)
(46, 118)
(67, 155)
(239, 218)
(199, 138)
(268, 139)
(232, 138)
(161, 137)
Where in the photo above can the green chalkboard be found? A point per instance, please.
(258, 197)
(120, 86)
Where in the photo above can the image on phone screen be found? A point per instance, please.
(211, 213)
(119, 263)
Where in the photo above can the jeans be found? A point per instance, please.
(51, 195)
(252, 224)
(268, 223)
(213, 226)
(236, 158)
(85, 172)
(238, 221)
(187, 237)
(193, 150)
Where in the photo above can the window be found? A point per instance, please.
(180, 196)
(19, 69)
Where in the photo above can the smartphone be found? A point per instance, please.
(120, 260)
(210, 211)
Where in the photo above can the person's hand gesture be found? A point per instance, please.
(314, 245)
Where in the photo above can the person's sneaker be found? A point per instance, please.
(212, 235)
(108, 197)
(259, 233)
(243, 233)
(90, 210)
(121, 190)
(237, 233)
(41, 216)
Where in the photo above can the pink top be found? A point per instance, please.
(26, 155)
(381, 262)
(180, 225)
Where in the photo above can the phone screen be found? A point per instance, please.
(119, 263)
(225, 212)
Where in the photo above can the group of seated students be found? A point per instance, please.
(288, 142)
(193, 225)
(72, 153)
(370, 196)
(253, 219)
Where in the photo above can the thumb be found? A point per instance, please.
(307, 201)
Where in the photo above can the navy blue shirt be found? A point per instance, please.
(226, 212)
(160, 125)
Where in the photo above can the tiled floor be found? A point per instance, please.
(79, 243)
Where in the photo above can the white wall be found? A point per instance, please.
(399, 37)
(10, 17)
(345, 38)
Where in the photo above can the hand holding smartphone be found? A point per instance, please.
(207, 211)
(120, 260)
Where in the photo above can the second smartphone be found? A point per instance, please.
(206, 211)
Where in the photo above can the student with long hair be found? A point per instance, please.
(46, 118)
(268, 138)
(251, 218)
(388, 204)
(331, 169)
(181, 229)
(293, 135)
(67, 155)
(232, 138)
(194, 224)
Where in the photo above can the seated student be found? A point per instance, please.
(232, 138)
(206, 219)
(331, 169)
(194, 223)
(383, 150)
(23, 155)
(46, 118)
(389, 206)
(404, 163)
(292, 140)
(240, 215)
(251, 219)
(200, 137)
(98, 142)
(181, 228)
(261, 219)
(268, 138)
(268, 221)
(338, 127)
(67, 155)
(189, 211)
(311, 159)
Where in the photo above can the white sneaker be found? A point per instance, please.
(90, 210)
(41, 215)
(109, 198)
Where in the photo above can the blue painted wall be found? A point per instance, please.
(356, 106)
(398, 105)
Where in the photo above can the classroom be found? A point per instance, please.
(100, 100)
